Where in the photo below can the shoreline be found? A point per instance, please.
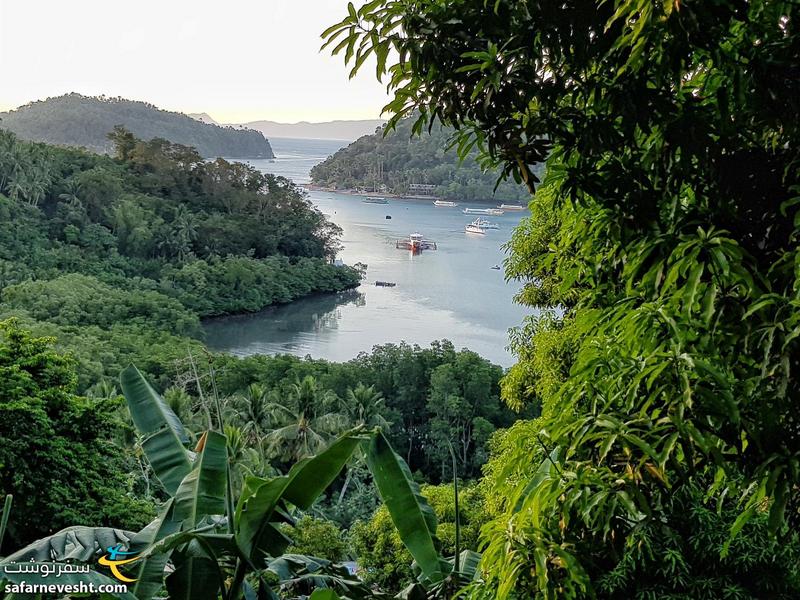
(319, 188)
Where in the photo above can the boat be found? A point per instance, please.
(485, 224)
(472, 228)
(444, 203)
(375, 200)
(385, 283)
(483, 211)
(496, 268)
(511, 207)
(416, 242)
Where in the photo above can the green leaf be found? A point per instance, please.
(4, 518)
(324, 595)
(197, 575)
(75, 544)
(310, 477)
(202, 491)
(412, 515)
(149, 572)
(255, 534)
(81, 544)
(164, 434)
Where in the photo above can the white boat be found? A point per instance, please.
(374, 200)
(416, 242)
(472, 228)
(511, 207)
(485, 224)
(483, 211)
(444, 203)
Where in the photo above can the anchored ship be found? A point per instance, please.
(416, 242)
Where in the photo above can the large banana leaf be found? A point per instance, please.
(412, 515)
(149, 571)
(299, 575)
(164, 435)
(197, 575)
(202, 491)
(310, 477)
(255, 533)
(80, 544)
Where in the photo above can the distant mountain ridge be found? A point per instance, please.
(205, 118)
(85, 121)
(327, 130)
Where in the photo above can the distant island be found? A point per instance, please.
(400, 163)
(85, 122)
(328, 130)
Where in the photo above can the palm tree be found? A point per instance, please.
(252, 409)
(304, 431)
(18, 186)
(71, 195)
(362, 406)
(40, 183)
(244, 460)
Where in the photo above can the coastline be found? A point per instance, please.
(349, 192)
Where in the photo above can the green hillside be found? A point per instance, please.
(83, 121)
(119, 257)
(400, 160)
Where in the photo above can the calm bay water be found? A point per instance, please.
(452, 292)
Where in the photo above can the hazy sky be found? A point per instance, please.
(238, 60)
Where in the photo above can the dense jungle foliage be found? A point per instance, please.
(85, 122)
(120, 257)
(659, 451)
(396, 159)
(106, 261)
(662, 249)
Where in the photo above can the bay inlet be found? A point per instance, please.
(452, 292)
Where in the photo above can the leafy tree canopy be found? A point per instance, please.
(57, 457)
(669, 259)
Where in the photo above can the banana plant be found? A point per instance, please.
(205, 544)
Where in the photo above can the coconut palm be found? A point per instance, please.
(244, 460)
(18, 186)
(251, 410)
(305, 428)
(72, 194)
(363, 406)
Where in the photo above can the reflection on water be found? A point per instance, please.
(281, 328)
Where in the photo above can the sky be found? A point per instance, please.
(238, 60)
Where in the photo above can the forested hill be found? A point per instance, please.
(83, 121)
(399, 160)
(118, 256)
